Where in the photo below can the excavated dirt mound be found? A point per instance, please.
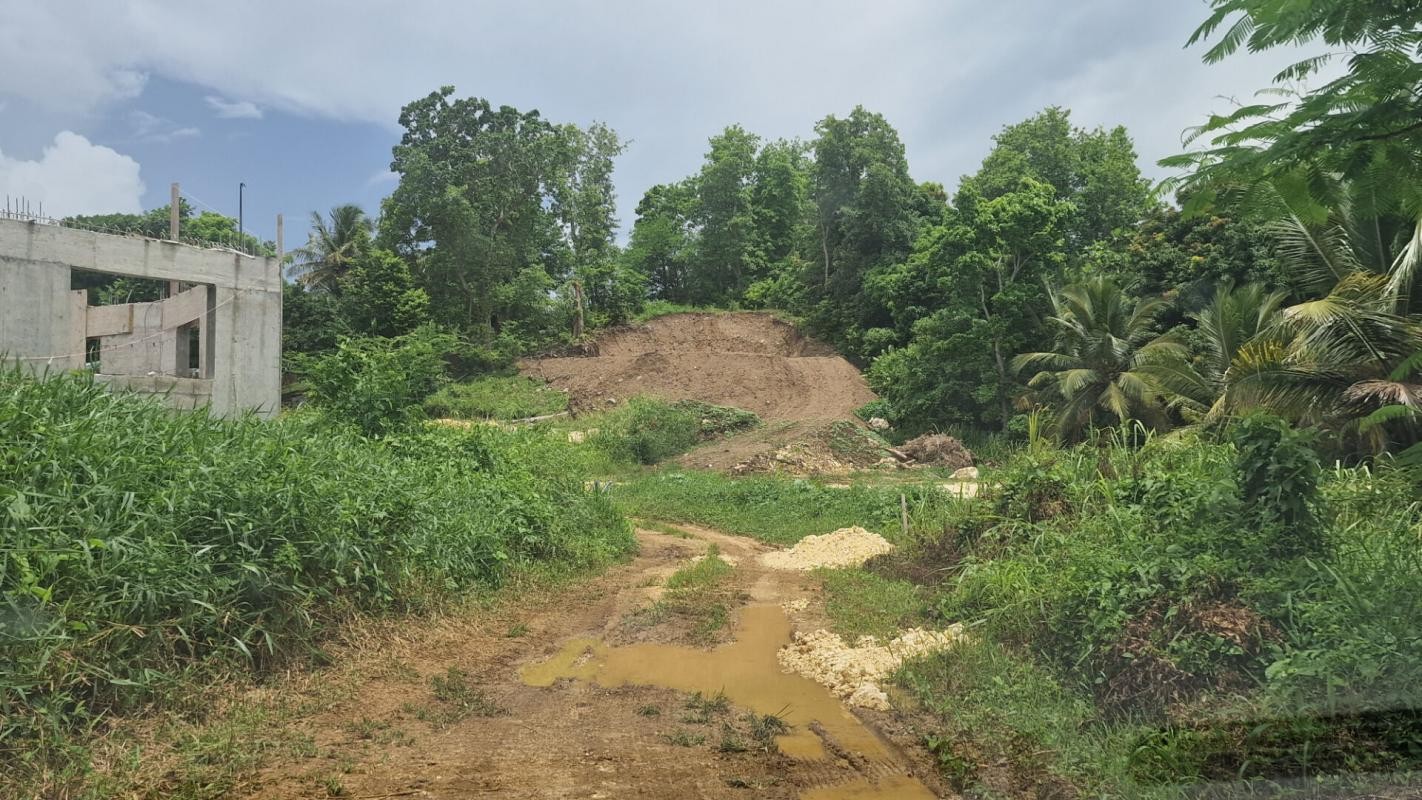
(939, 450)
(751, 361)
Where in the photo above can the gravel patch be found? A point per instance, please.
(853, 673)
(846, 547)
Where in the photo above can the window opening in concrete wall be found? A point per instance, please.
(146, 327)
(143, 313)
(93, 351)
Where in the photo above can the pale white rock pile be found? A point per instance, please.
(846, 547)
(853, 673)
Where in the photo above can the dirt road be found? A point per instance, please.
(577, 695)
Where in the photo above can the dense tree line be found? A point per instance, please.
(1281, 273)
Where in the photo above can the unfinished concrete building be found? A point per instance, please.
(214, 341)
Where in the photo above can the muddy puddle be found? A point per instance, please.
(747, 671)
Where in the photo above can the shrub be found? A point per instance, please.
(1278, 477)
(647, 430)
(653, 431)
(505, 397)
(377, 384)
(142, 544)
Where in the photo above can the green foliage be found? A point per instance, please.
(1093, 170)
(706, 572)
(1361, 125)
(998, 707)
(971, 298)
(778, 509)
(378, 295)
(1183, 258)
(333, 247)
(1277, 470)
(864, 603)
(1157, 610)
(502, 397)
(207, 228)
(143, 545)
(647, 430)
(665, 308)
(496, 208)
(1098, 369)
(311, 323)
(377, 384)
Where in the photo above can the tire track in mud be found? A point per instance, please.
(591, 733)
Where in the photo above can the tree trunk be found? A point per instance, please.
(1002, 399)
(577, 310)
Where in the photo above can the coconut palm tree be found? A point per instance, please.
(1236, 316)
(1330, 358)
(332, 246)
(1099, 366)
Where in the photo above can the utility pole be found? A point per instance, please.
(174, 218)
(240, 187)
(174, 222)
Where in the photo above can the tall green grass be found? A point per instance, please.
(780, 509)
(502, 397)
(139, 546)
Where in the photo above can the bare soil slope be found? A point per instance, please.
(747, 360)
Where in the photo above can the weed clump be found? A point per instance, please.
(502, 397)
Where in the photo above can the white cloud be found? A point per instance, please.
(152, 128)
(228, 109)
(947, 73)
(74, 176)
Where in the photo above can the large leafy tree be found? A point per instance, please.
(473, 210)
(584, 200)
(1184, 258)
(728, 257)
(1094, 373)
(972, 296)
(1094, 170)
(333, 245)
(864, 218)
(379, 296)
(662, 247)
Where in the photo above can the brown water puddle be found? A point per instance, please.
(747, 671)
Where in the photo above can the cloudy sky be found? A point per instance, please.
(104, 103)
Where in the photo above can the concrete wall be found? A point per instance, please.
(181, 393)
(39, 316)
(44, 324)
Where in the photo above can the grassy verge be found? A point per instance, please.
(1009, 729)
(860, 602)
(147, 552)
(644, 431)
(500, 397)
(778, 509)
